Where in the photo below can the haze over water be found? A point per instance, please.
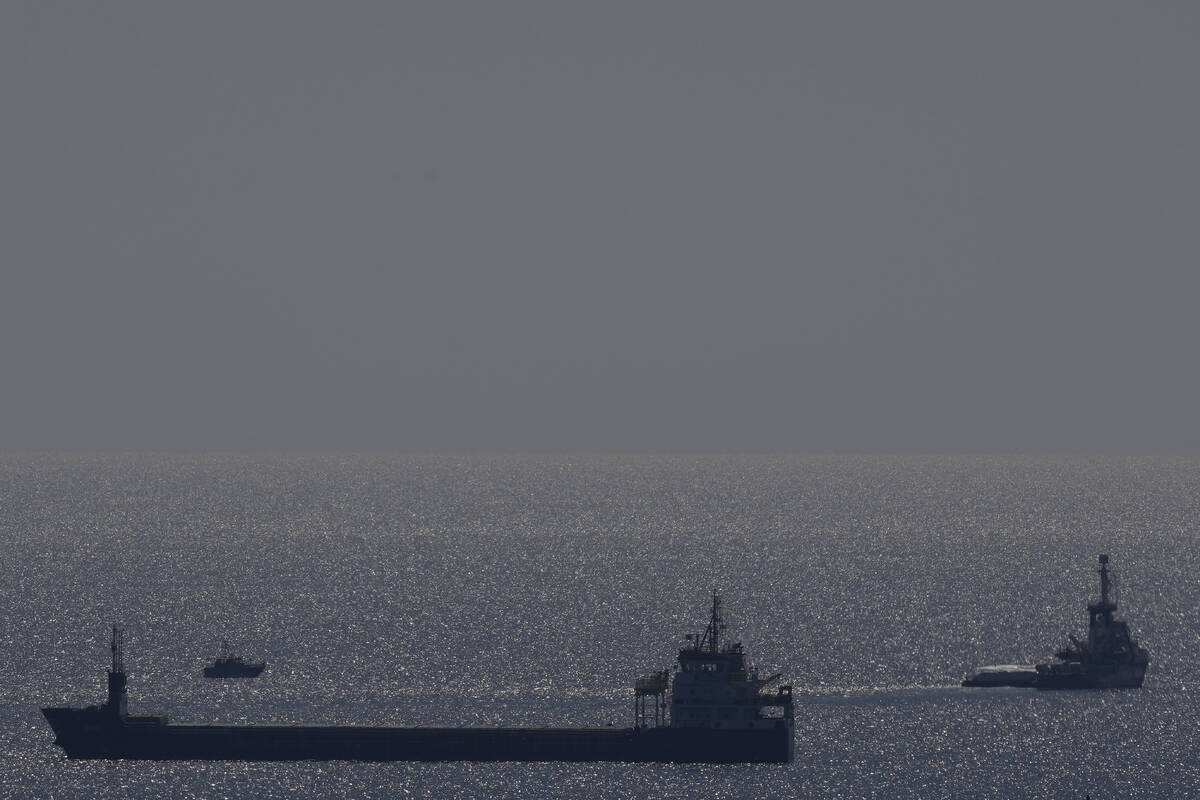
(620, 227)
(532, 590)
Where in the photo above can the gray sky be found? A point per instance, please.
(618, 226)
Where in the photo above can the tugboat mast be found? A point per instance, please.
(1104, 580)
(1101, 611)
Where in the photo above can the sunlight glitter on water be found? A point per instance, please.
(432, 590)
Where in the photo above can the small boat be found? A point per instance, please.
(1003, 675)
(228, 665)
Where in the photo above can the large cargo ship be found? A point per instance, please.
(711, 709)
(1109, 659)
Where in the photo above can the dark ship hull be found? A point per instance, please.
(87, 733)
(1129, 678)
(234, 670)
(1123, 676)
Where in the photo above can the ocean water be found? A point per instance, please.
(533, 590)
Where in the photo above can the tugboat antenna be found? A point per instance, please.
(1104, 581)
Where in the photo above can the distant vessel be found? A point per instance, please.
(1003, 675)
(1109, 659)
(711, 709)
(228, 665)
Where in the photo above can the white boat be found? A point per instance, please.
(1003, 675)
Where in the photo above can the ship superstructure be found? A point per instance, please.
(711, 710)
(713, 687)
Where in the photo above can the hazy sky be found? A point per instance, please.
(619, 226)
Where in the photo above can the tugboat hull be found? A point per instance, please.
(1123, 677)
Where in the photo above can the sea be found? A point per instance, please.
(533, 590)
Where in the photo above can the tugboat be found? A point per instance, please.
(1109, 659)
(228, 665)
(711, 709)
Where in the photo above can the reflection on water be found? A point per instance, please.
(531, 591)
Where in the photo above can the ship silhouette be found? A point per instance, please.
(230, 665)
(1109, 659)
(713, 708)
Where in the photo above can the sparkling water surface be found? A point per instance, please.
(533, 590)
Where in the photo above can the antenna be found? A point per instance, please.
(1104, 582)
(713, 631)
(118, 649)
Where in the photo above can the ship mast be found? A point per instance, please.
(116, 676)
(709, 640)
(1105, 605)
(1104, 581)
(118, 649)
